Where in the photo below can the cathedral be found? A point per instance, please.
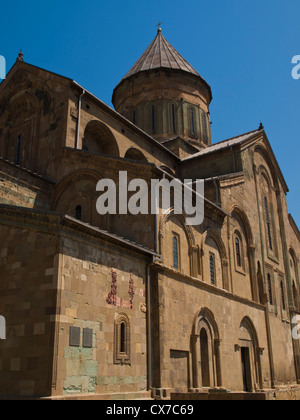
(123, 306)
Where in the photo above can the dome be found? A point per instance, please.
(165, 96)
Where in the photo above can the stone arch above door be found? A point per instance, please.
(205, 349)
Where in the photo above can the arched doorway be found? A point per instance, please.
(250, 357)
(205, 343)
(204, 349)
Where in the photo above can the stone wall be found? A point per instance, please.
(98, 284)
(27, 301)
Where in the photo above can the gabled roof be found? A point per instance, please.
(238, 141)
(225, 144)
(19, 65)
(161, 54)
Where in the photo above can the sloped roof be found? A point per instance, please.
(226, 144)
(161, 54)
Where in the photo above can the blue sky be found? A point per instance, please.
(242, 48)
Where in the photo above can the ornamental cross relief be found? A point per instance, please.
(114, 300)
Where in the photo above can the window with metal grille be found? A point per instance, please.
(175, 253)
(238, 252)
(268, 220)
(212, 269)
(270, 289)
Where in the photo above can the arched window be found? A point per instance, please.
(175, 253)
(78, 213)
(122, 340)
(193, 121)
(153, 118)
(270, 289)
(204, 358)
(173, 118)
(204, 126)
(238, 252)
(295, 296)
(282, 296)
(18, 151)
(123, 337)
(268, 222)
(212, 265)
(294, 278)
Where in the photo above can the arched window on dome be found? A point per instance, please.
(204, 127)
(153, 118)
(192, 121)
(173, 117)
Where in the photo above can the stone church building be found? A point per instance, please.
(140, 306)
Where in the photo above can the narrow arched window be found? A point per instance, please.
(78, 213)
(212, 265)
(204, 358)
(270, 289)
(193, 121)
(18, 151)
(282, 296)
(173, 118)
(175, 253)
(153, 118)
(295, 295)
(122, 340)
(238, 252)
(204, 126)
(122, 337)
(268, 221)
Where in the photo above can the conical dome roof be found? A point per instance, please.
(161, 54)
